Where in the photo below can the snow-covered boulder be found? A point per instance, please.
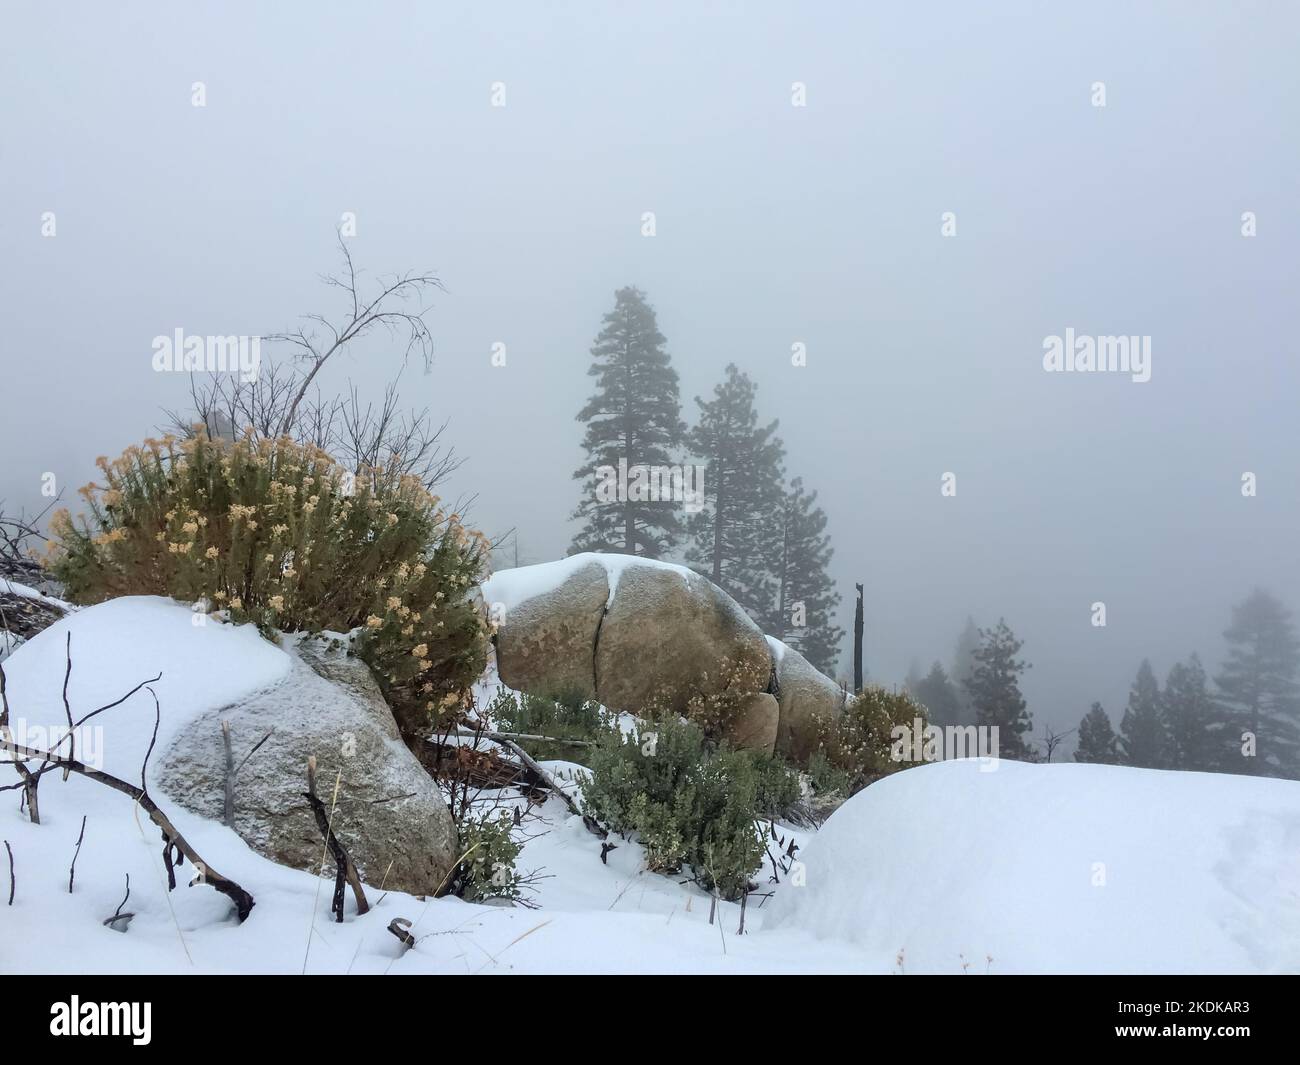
(389, 814)
(1011, 868)
(632, 633)
(317, 702)
(547, 641)
(810, 702)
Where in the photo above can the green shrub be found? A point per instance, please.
(487, 866)
(280, 534)
(689, 804)
(826, 778)
(566, 717)
(860, 743)
(777, 790)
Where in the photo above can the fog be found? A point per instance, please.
(775, 224)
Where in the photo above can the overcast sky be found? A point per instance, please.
(775, 224)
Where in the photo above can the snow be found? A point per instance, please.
(510, 587)
(11, 641)
(1050, 868)
(122, 642)
(777, 648)
(27, 592)
(942, 865)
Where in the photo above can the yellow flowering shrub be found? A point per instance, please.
(278, 533)
(860, 743)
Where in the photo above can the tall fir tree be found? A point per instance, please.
(1143, 736)
(633, 421)
(994, 688)
(803, 614)
(734, 539)
(1258, 690)
(938, 695)
(963, 664)
(1191, 719)
(1097, 739)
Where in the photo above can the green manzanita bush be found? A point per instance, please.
(278, 533)
(489, 852)
(566, 716)
(689, 803)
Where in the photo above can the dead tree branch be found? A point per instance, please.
(171, 836)
(345, 869)
(386, 309)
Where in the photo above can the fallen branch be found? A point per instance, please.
(345, 870)
(171, 836)
(499, 736)
(526, 759)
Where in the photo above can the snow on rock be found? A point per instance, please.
(1059, 868)
(25, 611)
(118, 644)
(511, 587)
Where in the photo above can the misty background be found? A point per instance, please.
(775, 224)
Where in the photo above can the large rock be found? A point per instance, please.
(390, 814)
(547, 643)
(810, 703)
(670, 635)
(755, 724)
(639, 635)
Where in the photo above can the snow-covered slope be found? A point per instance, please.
(1051, 868)
(944, 863)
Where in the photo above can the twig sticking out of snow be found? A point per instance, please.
(120, 918)
(72, 869)
(345, 870)
(29, 779)
(233, 771)
(12, 883)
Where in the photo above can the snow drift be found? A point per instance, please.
(1059, 868)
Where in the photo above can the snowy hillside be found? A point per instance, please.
(942, 865)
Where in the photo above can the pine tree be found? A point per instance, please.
(735, 538)
(994, 688)
(963, 664)
(633, 422)
(803, 614)
(1144, 739)
(1257, 686)
(1191, 719)
(938, 695)
(1097, 740)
